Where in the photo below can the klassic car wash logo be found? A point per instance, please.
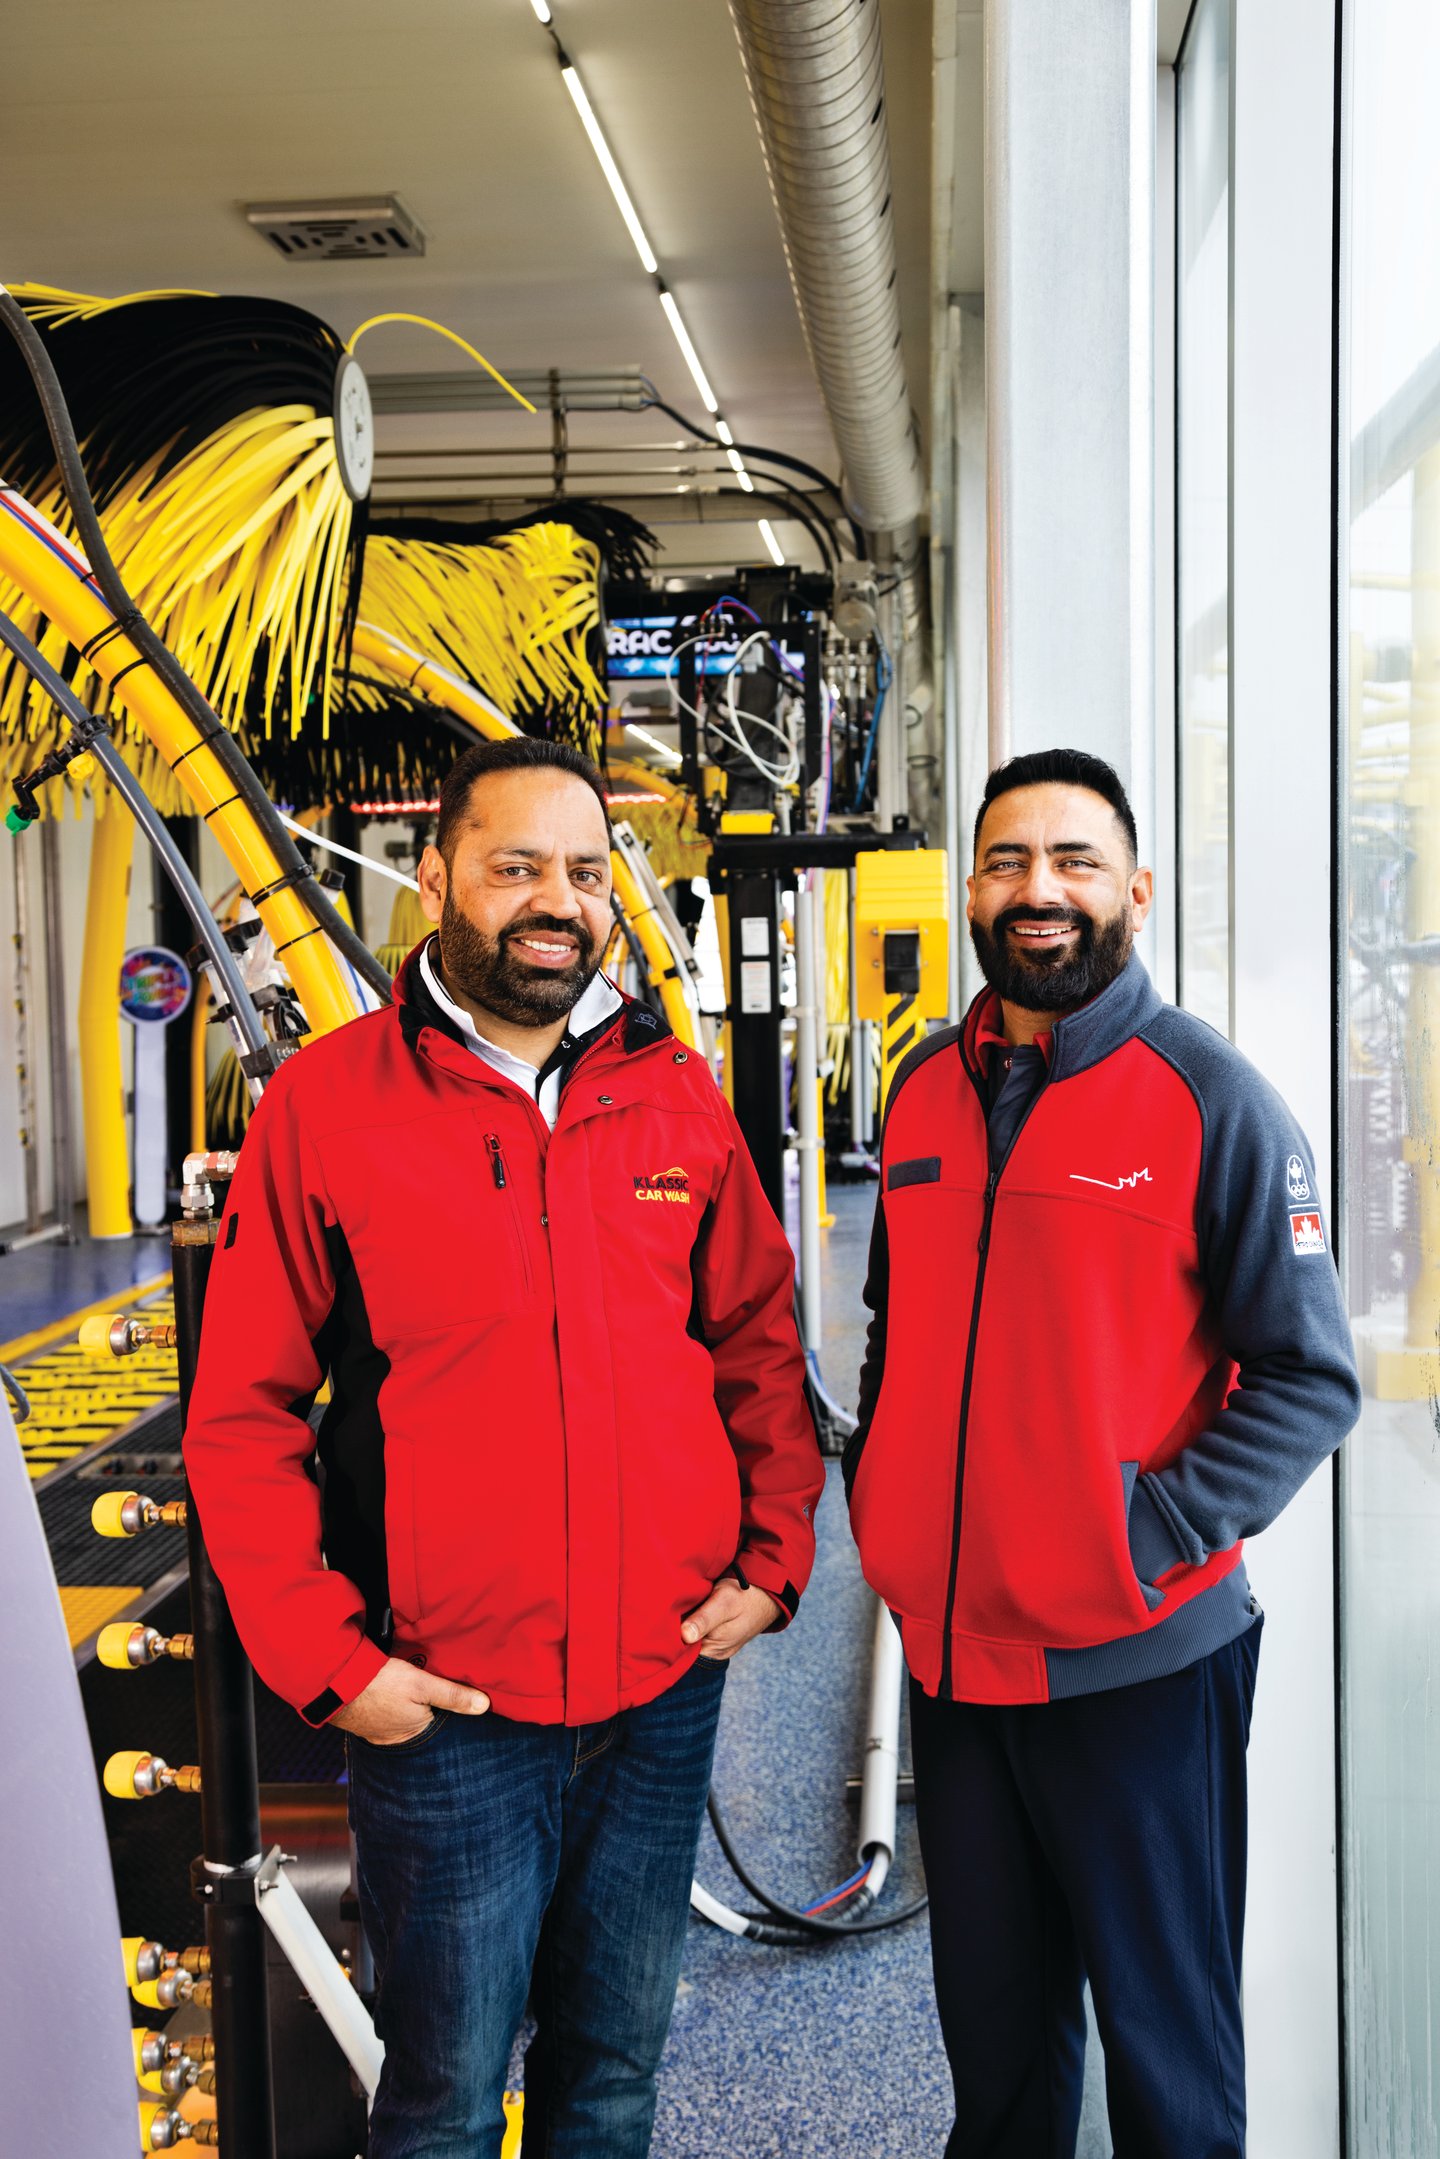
(666, 1184)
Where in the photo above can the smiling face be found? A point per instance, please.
(1056, 899)
(523, 904)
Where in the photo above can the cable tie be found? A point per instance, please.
(281, 884)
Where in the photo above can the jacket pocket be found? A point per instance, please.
(1129, 1475)
(920, 1169)
(422, 1738)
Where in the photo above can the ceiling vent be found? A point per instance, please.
(357, 229)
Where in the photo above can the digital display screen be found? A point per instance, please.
(643, 645)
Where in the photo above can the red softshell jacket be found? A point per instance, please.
(566, 1388)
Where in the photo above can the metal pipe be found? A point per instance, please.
(857, 1098)
(229, 1777)
(62, 1176)
(24, 1073)
(881, 1771)
(807, 1119)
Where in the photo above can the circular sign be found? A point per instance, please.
(154, 986)
(354, 428)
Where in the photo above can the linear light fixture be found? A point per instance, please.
(738, 465)
(608, 166)
(691, 356)
(642, 734)
(722, 429)
(542, 11)
(767, 534)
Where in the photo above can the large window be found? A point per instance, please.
(1203, 501)
(1390, 1047)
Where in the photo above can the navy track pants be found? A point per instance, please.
(1101, 1837)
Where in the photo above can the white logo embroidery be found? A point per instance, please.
(1306, 1233)
(1296, 1178)
(1113, 1184)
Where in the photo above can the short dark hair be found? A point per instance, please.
(1063, 768)
(512, 753)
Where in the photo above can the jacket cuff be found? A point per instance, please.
(353, 1677)
(1154, 1546)
(754, 1571)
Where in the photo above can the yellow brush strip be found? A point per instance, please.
(512, 617)
(88, 1610)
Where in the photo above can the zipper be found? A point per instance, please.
(512, 1207)
(947, 1670)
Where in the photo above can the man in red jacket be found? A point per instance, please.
(1108, 1345)
(566, 1469)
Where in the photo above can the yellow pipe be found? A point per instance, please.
(74, 607)
(199, 1029)
(102, 1088)
(452, 694)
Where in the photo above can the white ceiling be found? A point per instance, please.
(130, 138)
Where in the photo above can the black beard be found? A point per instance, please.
(492, 973)
(1053, 983)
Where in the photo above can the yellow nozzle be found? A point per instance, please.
(130, 1948)
(107, 1514)
(119, 1773)
(112, 1645)
(147, 2079)
(150, 2114)
(95, 1333)
(146, 1992)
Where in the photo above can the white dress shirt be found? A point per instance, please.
(600, 1001)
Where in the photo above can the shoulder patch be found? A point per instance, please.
(1307, 1233)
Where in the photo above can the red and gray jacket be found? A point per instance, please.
(566, 1388)
(1097, 1361)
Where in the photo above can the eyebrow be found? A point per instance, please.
(536, 854)
(1060, 847)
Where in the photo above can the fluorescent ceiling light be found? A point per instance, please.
(653, 742)
(542, 11)
(722, 429)
(611, 171)
(768, 536)
(692, 357)
(741, 474)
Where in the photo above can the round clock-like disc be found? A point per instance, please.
(354, 428)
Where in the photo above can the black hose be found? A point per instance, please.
(16, 1393)
(777, 490)
(163, 661)
(802, 1922)
(759, 454)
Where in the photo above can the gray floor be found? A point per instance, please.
(786, 2054)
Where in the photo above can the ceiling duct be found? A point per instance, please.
(817, 85)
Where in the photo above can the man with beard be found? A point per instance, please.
(1108, 1345)
(566, 1470)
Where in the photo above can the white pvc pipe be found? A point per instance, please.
(807, 1117)
(882, 1749)
(315, 1966)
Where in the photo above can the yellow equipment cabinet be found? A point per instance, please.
(902, 946)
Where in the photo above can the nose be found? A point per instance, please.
(556, 895)
(1041, 887)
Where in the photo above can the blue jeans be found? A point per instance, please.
(497, 1860)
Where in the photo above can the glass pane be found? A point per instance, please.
(1390, 631)
(1203, 507)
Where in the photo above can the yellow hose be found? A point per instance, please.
(76, 609)
(102, 1087)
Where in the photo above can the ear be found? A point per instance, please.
(434, 883)
(1142, 896)
(970, 899)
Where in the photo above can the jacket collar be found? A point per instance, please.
(637, 1025)
(1097, 1030)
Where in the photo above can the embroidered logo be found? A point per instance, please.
(1307, 1233)
(667, 1184)
(1296, 1178)
(1114, 1184)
